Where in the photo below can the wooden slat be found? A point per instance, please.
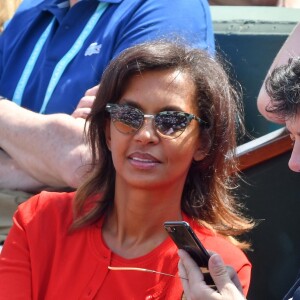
(263, 148)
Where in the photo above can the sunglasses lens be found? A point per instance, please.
(126, 119)
(171, 123)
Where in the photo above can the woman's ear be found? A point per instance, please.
(107, 134)
(199, 154)
(203, 147)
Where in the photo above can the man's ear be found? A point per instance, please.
(107, 134)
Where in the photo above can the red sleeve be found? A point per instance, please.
(231, 254)
(37, 224)
(244, 275)
(235, 258)
(15, 269)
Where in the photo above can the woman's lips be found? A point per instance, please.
(143, 160)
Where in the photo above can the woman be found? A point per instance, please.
(162, 135)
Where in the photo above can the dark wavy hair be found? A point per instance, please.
(207, 193)
(283, 88)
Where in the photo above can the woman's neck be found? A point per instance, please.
(135, 227)
(159, 202)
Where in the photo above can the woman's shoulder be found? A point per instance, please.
(47, 205)
(231, 254)
(220, 244)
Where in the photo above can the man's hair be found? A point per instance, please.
(283, 88)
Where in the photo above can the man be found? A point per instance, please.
(290, 48)
(289, 116)
(278, 101)
(50, 54)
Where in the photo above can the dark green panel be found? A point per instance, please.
(250, 57)
(249, 38)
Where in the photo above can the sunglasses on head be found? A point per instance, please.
(168, 124)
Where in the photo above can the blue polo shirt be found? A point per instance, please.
(39, 67)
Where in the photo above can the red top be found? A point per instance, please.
(42, 260)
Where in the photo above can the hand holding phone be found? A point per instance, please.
(184, 237)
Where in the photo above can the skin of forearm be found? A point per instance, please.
(15, 178)
(48, 147)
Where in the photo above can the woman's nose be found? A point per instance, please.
(147, 133)
(294, 162)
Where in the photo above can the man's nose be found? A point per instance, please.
(294, 162)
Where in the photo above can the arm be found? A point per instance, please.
(289, 49)
(50, 148)
(13, 177)
(194, 286)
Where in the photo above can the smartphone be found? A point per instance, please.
(185, 238)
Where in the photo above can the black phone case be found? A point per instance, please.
(185, 238)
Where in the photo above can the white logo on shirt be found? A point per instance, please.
(93, 48)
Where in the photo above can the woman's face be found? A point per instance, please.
(144, 159)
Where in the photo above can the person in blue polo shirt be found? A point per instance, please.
(49, 48)
(50, 54)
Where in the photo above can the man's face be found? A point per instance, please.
(293, 126)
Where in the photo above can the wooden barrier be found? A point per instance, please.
(264, 148)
